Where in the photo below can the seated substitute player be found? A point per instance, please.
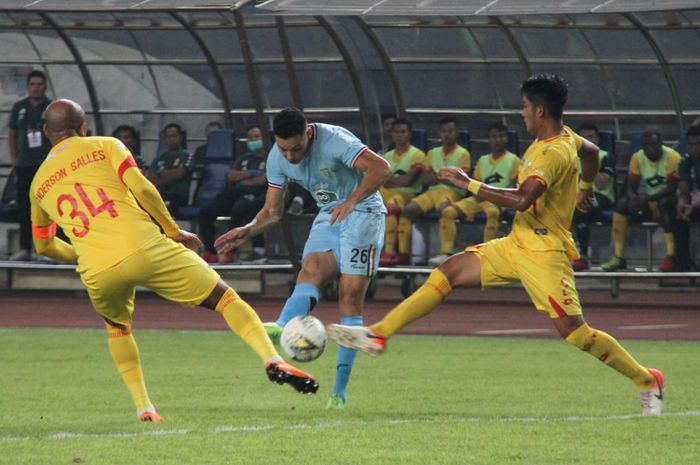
(87, 186)
(406, 163)
(657, 166)
(688, 209)
(171, 170)
(604, 191)
(535, 252)
(498, 168)
(440, 195)
(346, 236)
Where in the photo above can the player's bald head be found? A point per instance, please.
(64, 118)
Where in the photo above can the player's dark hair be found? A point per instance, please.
(288, 123)
(692, 131)
(498, 126)
(588, 127)
(253, 126)
(387, 116)
(214, 123)
(36, 73)
(125, 127)
(399, 121)
(173, 125)
(548, 90)
(448, 120)
(649, 134)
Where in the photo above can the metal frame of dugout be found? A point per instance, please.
(407, 274)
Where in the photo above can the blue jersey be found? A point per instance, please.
(326, 170)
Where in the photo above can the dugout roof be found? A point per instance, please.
(147, 63)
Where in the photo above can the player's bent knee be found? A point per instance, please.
(462, 270)
(450, 213)
(213, 300)
(582, 337)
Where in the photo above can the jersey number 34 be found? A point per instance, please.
(106, 205)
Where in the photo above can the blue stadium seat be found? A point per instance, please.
(217, 163)
(465, 139)
(514, 141)
(221, 145)
(419, 138)
(682, 144)
(607, 141)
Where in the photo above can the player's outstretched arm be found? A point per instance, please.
(376, 172)
(45, 241)
(519, 198)
(590, 165)
(270, 214)
(149, 198)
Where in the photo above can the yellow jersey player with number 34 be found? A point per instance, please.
(92, 188)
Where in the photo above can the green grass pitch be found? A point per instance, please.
(429, 400)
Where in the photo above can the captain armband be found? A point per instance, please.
(44, 232)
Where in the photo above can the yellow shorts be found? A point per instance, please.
(166, 267)
(546, 276)
(470, 206)
(394, 199)
(433, 198)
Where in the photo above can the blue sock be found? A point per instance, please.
(346, 359)
(301, 302)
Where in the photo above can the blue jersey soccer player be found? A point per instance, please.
(347, 235)
(538, 249)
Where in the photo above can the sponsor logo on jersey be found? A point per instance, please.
(494, 178)
(656, 181)
(324, 197)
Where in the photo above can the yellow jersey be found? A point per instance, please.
(80, 187)
(545, 226)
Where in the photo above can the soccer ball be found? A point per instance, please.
(303, 338)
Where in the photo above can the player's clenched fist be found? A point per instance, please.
(231, 240)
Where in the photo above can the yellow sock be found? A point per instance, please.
(422, 302)
(491, 227)
(243, 320)
(404, 235)
(606, 349)
(670, 244)
(620, 226)
(390, 235)
(125, 354)
(448, 229)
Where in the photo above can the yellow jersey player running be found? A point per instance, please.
(536, 252)
(90, 187)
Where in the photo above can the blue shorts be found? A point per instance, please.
(356, 241)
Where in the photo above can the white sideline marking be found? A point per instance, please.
(514, 331)
(652, 327)
(339, 424)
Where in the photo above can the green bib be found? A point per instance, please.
(437, 161)
(403, 166)
(609, 190)
(499, 174)
(654, 175)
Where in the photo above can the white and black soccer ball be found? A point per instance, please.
(303, 338)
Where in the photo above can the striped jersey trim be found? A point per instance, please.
(126, 164)
(357, 156)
